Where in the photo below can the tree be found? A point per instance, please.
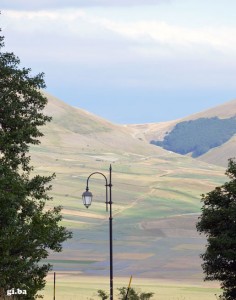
(133, 294)
(28, 230)
(218, 222)
(103, 295)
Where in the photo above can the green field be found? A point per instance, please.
(156, 206)
(75, 287)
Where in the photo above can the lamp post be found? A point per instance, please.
(87, 200)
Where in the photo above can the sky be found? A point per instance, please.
(129, 61)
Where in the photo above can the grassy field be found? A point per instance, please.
(75, 287)
(156, 204)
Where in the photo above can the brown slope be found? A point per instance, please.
(82, 131)
(223, 111)
(157, 131)
(218, 156)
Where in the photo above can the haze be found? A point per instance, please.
(128, 61)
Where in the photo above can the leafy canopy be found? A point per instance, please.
(27, 229)
(132, 294)
(218, 222)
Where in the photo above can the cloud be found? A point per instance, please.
(146, 37)
(55, 4)
(100, 50)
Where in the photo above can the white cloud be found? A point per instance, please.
(123, 52)
(55, 4)
(147, 33)
(156, 32)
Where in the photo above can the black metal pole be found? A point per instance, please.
(54, 287)
(111, 239)
(110, 222)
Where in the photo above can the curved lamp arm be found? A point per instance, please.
(87, 188)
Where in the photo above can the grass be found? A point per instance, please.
(145, 192)
(153, 190)
(77, 287)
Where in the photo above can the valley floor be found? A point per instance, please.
(73, 286)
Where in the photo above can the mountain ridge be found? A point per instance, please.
(83, 130)
(158, 131)
(225, 110)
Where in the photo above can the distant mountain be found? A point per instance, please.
(208, 135)
(84, 131)
(197, 137)
(156, 197)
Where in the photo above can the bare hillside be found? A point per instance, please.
(154, 131)
(82, 131)
(218, 156)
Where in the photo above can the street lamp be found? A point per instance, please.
(87, 200)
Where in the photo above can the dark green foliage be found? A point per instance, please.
(198, 136)
(218, 222)
(27, 230)
(132, 295)
(103, 295)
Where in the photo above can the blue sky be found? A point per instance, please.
(129, 61)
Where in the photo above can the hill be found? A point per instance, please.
(156, 196)
(78, 129)
(208, 131)
(197, 137)
(220, 154)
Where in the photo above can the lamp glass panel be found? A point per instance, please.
(87, 198)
